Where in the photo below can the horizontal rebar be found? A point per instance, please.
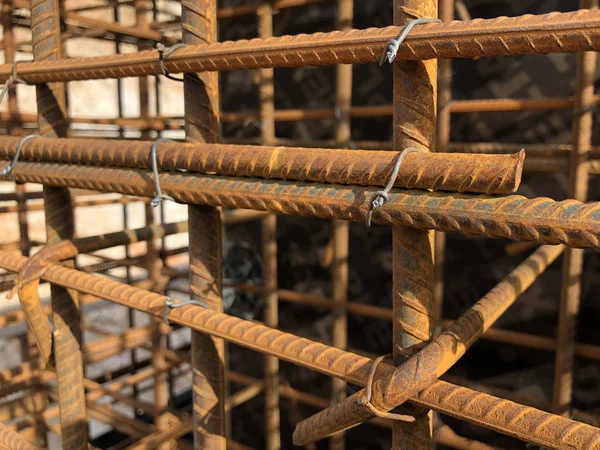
(11, 440)
(27, 283)
(514, 217)
(551, 33)
(491, 412)
(489, 174)
(419, 371)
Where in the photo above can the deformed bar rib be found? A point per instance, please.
(550, 33)
(514, 217)
(489, 174)
(432, 361)
(488, 411)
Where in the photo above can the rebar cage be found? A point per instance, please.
(419, 184)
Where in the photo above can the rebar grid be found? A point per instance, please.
(61, 164)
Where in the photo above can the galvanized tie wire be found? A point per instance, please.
(366, 400)
(160, 197)
(391, 49)
(379, 198)
(12, 80)
(8, 170)
(162, 54)
(169, 305)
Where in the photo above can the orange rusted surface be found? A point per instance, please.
(426, 366)
(550, 33)
(486, 410)
(547, 221)
(488, 174)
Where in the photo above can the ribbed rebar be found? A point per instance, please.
(579, 176)
(550, 33)
(489, 174)
(11, 440)
(413, 126)
(542, 220)
(27, 282)
(504, 416)
(201, 100)
(432, 361)
(52, 113)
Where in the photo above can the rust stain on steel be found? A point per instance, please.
(11, 440)
(547, 221)
(268, 235)
(488, 174)
(485, 410)
(422, 369)
(52, 111)
(28, 279)
(579, 175)
(550, 33)
(414, 121)
(27, 284)
(201, 101)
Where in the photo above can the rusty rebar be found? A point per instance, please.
(361, 309)
(266, 95)
(442, 141)
(426, 366)
(551, 33)
(201, 99)
(27, 282)
(485, 410)
(52, 110)
(547, 222)
(413, 122)
(11, 440)
(498, 174)
(341, 229)
(573, 260)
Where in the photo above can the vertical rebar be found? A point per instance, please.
(442, 142)
(52, 122)
(152, 260)
(10, 49)
(126, 223)
(573, 259)
(201, 94)
(415, 101)
(29, 348)
(340, 228)
(269, 241)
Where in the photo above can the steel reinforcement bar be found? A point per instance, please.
(504, 416)
(550, 33)
(489, 174)
(514, 217)
(11, 440)
(430, 363)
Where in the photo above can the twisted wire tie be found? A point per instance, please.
(169, 305)
(162, 54)
(160, 197)
(391, 49)
(11, 81)
(366, 400)
(8, 170)
(379, 198)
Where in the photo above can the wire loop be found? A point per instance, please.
(8, 170)
(366, 400)
(391, 49)
(379, 198)
(160, 197)
(162, 54)
(169, 305)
